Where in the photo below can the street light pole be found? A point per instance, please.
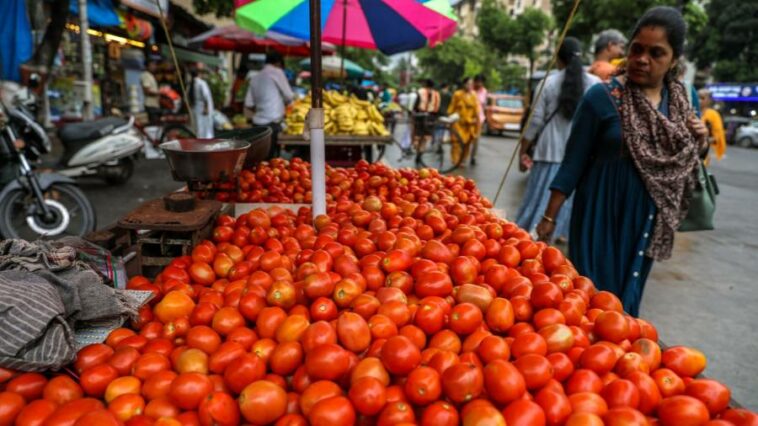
(86, 60)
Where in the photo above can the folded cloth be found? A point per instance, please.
(45, 294)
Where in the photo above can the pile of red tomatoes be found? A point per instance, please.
(283, 181)
(383, 313)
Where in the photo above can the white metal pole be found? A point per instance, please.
(318, 160)
(316, 116)
(86, 60)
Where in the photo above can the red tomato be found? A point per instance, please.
(62, 389)
(536, 369)
(400, 355)
(621, 393)
(35, 413)
(219, 409)
(713, 394)
(263, 402)
(334, 411)
(11, 405)
(682, 410)
(503, 381)
(423, 386)
(368, 395)
(462, 382)
(684, 361)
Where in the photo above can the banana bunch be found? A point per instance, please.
(343, 115)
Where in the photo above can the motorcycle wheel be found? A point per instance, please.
(120, 173)
(73, 214)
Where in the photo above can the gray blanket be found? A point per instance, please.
(45, 294)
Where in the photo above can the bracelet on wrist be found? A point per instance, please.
(548, 218)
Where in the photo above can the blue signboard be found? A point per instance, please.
(734, 92)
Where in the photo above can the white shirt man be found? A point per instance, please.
(203, 107)
(268, 94)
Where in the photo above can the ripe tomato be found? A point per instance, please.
(368, 395)
(599, 358)
(70, 412)
(588, 402)
(481, 412)
(96, 379)
(522, 412)
(682, 410)
(555, 404)
(684, 361)
(465, 318)
(174, 305)
(713, 394)
(62, 389)
(353, 332)
(370, 367)
(528, 343)
(650, 352)
(158, 385)
(669, 383)
(11, 405)
(503, 381)
(650, 395)
(28, 385)
(397, 412)
(317, 391)
(621, 393)
(219, 409)
(423, 386)
(94, 354)
(327, 362)
(492, 348)
(188, 390)
(35, 413)
(462, 382)
(400, 356)
(500, 316)
(334, 411)
(126, 406)
(611, 326)
(244, 370)
(583, 380)
(439, 413)
(263, 402)
(204, 338)
(536, 369)
(286, 358)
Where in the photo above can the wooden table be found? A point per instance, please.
(344, 142)
(336, 140)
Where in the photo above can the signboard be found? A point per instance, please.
(734, 92)
(148, 6)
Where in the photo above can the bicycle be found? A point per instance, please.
(437, 153)
(171, 127)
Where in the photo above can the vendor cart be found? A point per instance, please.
(344, 150)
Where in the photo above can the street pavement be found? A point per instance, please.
(705, 296)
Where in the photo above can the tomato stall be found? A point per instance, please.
(409, 302)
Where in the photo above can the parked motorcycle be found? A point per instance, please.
(38, 205)
(105, 148)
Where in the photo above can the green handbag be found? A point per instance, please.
(702, 204)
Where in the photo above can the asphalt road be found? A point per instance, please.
(705, 296)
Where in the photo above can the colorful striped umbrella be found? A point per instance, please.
(391, 26)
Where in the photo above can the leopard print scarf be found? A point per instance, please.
(665, 153)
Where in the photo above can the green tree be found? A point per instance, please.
(730, 42)
(531, 29)
(513, 36)
(459, 57)
(594, 16)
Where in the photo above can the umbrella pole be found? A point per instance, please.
(343, 75)
(316, 116)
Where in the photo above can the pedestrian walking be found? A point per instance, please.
(481, 95)
(466, 105)
(268, 95)
(427, 108)
(202, 103)
(631, 163)
(610, 46)
(547, 135)
(712, 120)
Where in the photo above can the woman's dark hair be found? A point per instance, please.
(572, 88)
(672, 22)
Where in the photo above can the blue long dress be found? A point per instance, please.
(613, 214)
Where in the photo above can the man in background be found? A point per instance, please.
(150, 92)
(268, 96)
(610, 47)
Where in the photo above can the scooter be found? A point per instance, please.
(105, 148)
(37, 205)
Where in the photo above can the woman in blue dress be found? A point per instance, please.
(631, 163)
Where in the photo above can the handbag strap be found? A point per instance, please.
(544, 126)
